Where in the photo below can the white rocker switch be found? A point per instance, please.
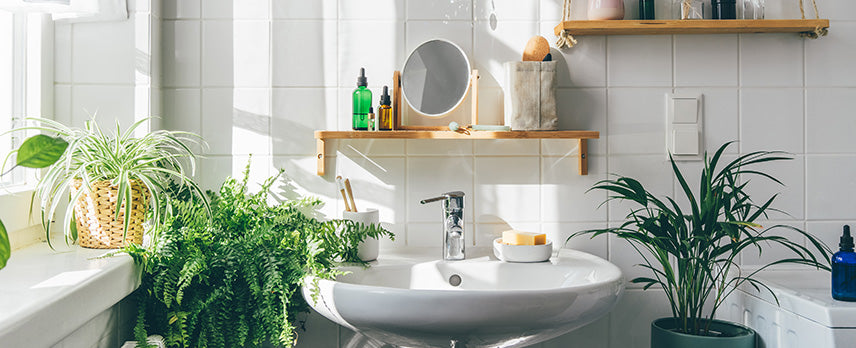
(685, 141)
(686, 110)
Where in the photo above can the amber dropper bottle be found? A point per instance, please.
(384, 111)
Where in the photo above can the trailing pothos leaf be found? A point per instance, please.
(693, 255)
(234, 280)
(5, 247)
(38, 151)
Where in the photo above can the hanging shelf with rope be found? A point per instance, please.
(567, 29)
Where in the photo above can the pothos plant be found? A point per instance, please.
(692, 250)
(38, 151)
(233, 280)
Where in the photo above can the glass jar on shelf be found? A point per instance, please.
(752, 9)
(688, 9)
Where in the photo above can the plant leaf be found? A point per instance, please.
(40, 151)
(5, 248)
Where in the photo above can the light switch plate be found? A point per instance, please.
(684, 126)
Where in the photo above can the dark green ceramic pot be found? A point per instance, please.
(730, 335)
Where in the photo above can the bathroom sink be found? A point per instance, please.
(410, 298)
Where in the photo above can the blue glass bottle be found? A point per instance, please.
(844, 269)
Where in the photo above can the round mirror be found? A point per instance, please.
(435, 78)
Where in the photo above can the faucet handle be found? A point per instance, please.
(447, 195)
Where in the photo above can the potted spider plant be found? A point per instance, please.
(692, 251)
(116, 182)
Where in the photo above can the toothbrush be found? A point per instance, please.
(350, 195)
(341, 188)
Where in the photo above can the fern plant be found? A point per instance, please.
(234, 280)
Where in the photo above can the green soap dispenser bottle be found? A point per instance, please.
(362, 102)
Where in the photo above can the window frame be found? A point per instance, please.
(32, 96)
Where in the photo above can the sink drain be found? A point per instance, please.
(455, 280)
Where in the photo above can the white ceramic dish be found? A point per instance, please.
(522, 253)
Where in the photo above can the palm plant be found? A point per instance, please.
(693, 255)
(152, 160)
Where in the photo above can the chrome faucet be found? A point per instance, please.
(453, 224)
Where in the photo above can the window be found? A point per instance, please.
(22, 85)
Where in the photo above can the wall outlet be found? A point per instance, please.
(684, 126)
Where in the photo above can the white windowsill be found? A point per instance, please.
(45, 295)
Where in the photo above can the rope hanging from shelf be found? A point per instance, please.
(818, 31)
(565, 39)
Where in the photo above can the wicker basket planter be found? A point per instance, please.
(95, 213)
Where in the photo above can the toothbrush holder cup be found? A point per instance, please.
(369, 248)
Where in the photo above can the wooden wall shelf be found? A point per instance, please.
(581, 136)
(697, 26)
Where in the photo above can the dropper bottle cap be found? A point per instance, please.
(384, 98)
(846, 241)
(362, 81)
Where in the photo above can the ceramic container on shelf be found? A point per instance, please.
(605, 9)
(367, 250)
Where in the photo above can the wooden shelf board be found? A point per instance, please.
(697, 26)
(581, 137)
(455, 135)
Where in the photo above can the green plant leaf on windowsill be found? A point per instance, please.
(40, 151)
(5, 248)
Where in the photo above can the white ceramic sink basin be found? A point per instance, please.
(407, 298)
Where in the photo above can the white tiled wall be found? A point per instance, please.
(258, 77)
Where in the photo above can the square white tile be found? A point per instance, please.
(431, 177)
(304, 53)
(654, 173)
(103, 53)
(236, 9)
(496, 44)
(434, 147)
(720, 113)
(62, 104)
(551, 11)
(771, 60)
(826, 178)
(215, 170)
(706, 60)
(371, 147)
(377, 182)
(584, 65)
(486, 233)
(440, 10)
(108, 103)
(559, 232)
(791, 195)
(507, 10)
(771, 252)
(236, 121)
(376, 46)
(371, 9)
(182, 109)
(507, 189)
(430, 234)
(299, 9)
(235, 54)
(181, 9)
(458, 32)
(771, 119)
(829, 61)
(564, 196)
(581, 109)
(297, 113)
(218, 54)
(181, 53)
(507, 147)
(636, 121)
(62, 52)
(831, 122)
(639, 61)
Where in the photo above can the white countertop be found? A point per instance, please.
(45, 295)
(807, 293)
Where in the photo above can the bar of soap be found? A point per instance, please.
(514, 237)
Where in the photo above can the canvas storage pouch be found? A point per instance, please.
(530, 101)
